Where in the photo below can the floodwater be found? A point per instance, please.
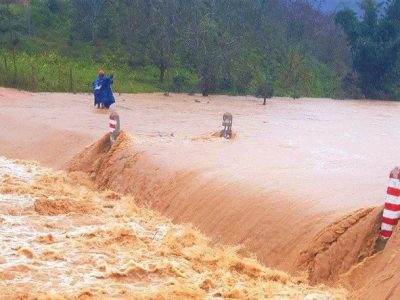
(293, 167)
(61, 240)
(314, 149)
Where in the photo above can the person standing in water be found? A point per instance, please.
(103, 95)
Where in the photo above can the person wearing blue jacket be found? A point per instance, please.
(103, 95)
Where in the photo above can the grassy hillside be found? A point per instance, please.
(207, 46)
(50, 72)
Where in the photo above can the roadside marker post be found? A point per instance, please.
(114, 126)
(391, 212)
(227, 123)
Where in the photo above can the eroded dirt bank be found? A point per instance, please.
(61, 240)
(341, 246)
(377, 277)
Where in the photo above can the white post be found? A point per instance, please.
(227, 123)
(114, 125)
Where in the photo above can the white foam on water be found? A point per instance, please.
(23, 172)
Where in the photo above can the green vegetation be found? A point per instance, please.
(265, 89)
(53, 73)
(207, 46)
(375, 47)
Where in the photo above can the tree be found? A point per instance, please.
(86, 13)
(9, 12)
(265, 89)
(204, 44)
(375, 46)
(351, 86)
(216, 45)
(161, 34)
(295, 73)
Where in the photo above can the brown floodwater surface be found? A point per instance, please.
(292, 168)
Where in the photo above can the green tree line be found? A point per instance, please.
(374, 41)
(207, 46)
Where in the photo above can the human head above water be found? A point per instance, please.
(101, 72)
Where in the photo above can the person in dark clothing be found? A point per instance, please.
(103, 95)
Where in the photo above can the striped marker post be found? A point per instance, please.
(114, 125)
(391, 212)
(227, 123)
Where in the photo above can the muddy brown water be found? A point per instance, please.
(293, 168)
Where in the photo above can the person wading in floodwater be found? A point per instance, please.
(103, 95)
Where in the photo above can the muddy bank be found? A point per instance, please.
(341, 246)
(377, 277)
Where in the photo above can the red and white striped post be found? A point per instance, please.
(114, 126)
(391, 212)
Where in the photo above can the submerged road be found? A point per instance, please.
(293, 167)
